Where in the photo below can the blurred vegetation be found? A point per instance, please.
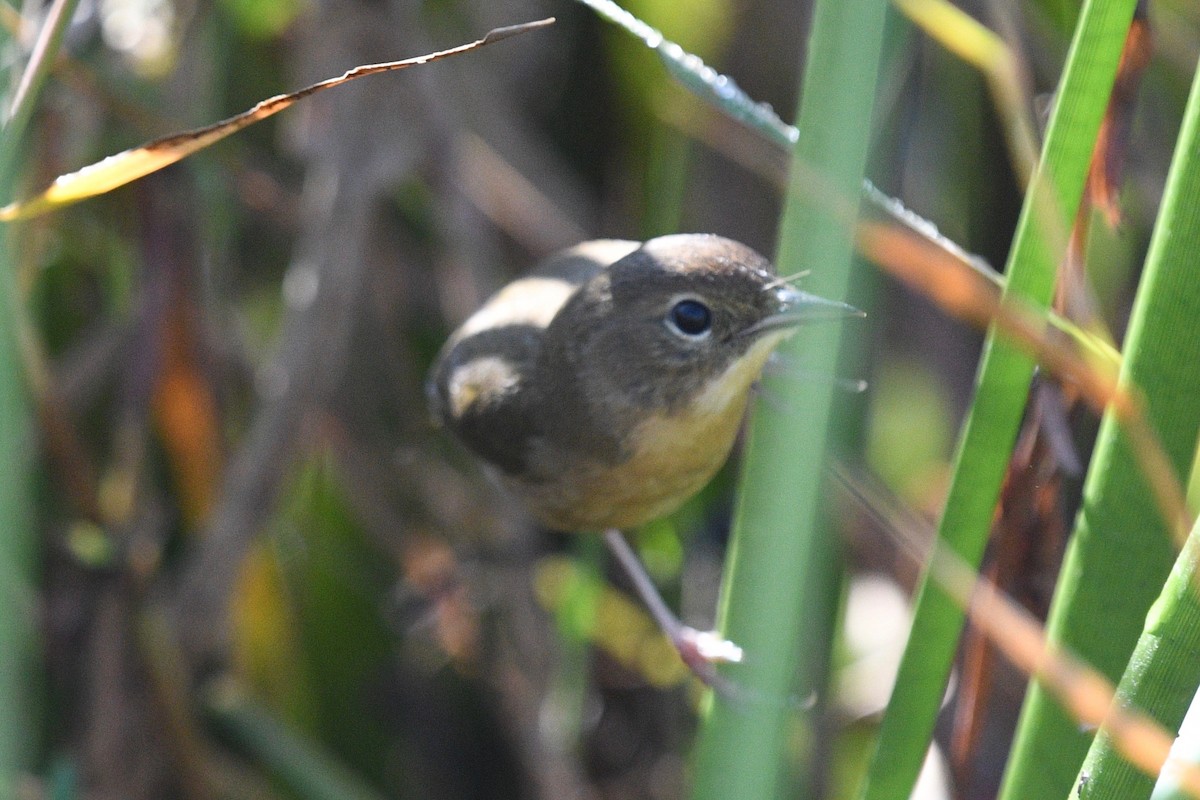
(238, 559)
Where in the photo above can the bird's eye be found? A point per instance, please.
(691, 318)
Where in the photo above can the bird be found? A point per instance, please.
(608, 386)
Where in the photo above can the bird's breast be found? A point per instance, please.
(668, 458)
(672, 458)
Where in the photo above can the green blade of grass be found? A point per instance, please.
(723, 94)
(1002, 386)
(18, 548)
(780, 551)
(1163, 673)
(18, 542)
(1121, 549)
(24, 98)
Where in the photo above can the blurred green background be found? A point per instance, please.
(254, 568)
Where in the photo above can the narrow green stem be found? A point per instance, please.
(1121, 548)
(18, 544)
(781, 551)
(18, 547)
(20, 107)
(1002, 386)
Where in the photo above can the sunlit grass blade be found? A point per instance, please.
(971, 290)
(781, 573)
(699, 78)
(1071, 355)
(129, 165)
(1163, 673)
(1002, 386)
(1077, 686)
(1120, 551)
(955, 30)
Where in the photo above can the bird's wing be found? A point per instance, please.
(478, 381)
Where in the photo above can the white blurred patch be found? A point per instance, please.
(934, 781)
(1186, 748)
(142, 30)
(876, 627)
(300, 285)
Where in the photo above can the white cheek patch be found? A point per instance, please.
(480, 380)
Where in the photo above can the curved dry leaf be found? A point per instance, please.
(1064, 350)
(1082, 690)
(125, 167)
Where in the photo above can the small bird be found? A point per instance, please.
(608, 387)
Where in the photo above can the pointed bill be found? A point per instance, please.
(797, 308)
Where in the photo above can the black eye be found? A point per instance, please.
(691, 317)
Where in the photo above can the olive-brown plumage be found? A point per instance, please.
(607, 387)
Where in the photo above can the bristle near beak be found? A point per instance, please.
(797, 308)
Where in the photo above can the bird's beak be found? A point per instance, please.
(797, 308)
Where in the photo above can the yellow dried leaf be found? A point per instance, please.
(125, 167)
